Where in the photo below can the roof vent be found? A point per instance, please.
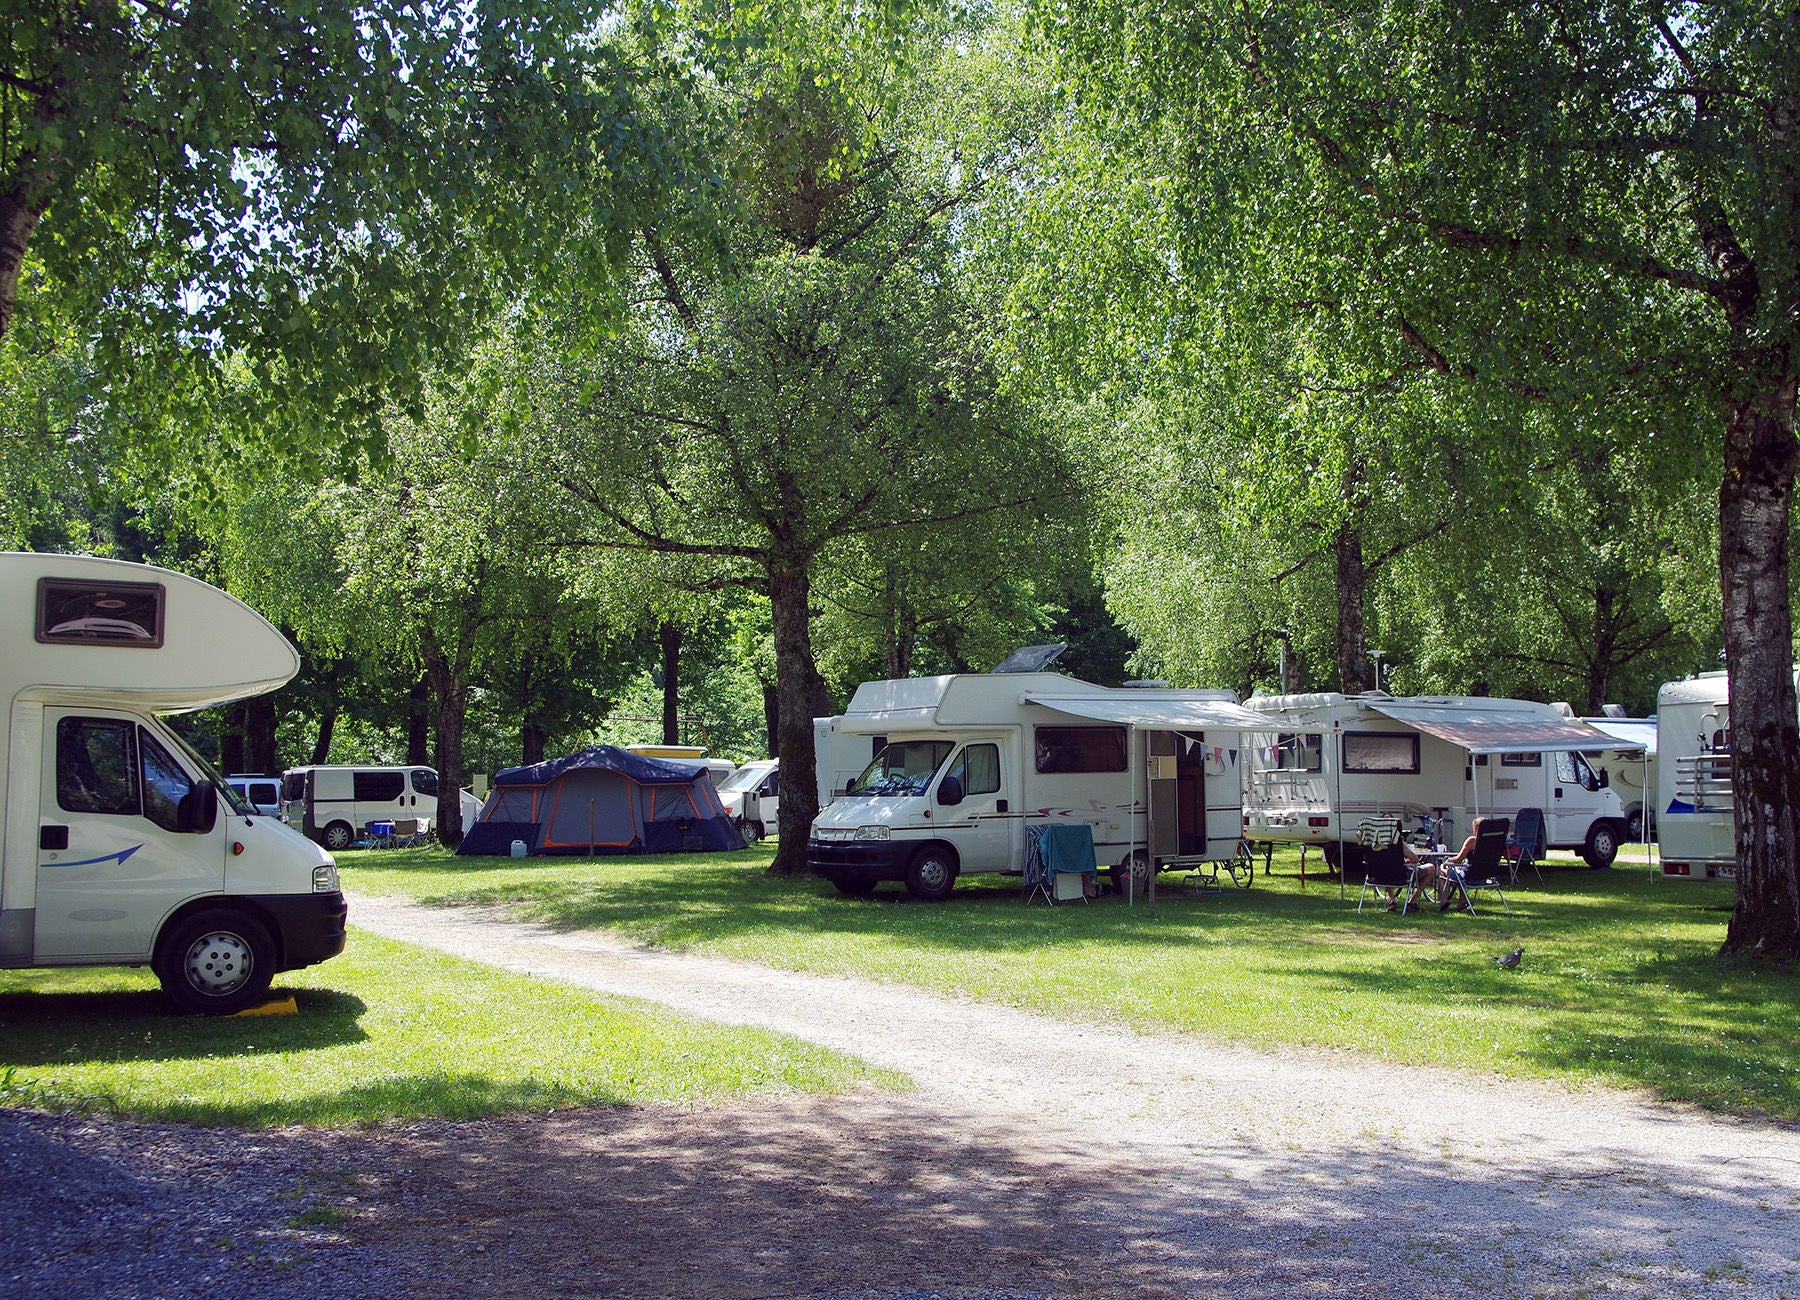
(1031, 659)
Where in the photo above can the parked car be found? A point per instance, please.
(261, 794)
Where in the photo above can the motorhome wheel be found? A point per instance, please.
(1602, 845)
(931, 874)
(339, 836)
(1634, 826)
(1140, 875)
(753, 831)
(216, 962)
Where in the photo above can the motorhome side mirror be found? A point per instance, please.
(1605, 779)
(950, 792)
(199, 808)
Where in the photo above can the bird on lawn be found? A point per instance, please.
(1510, 960)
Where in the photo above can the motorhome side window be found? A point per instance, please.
(1573, 769)
(164, 783)
(378, 787)
(1381, 751)
(96, 765)
(1080, 749)
(1521, 760)
(978, 769)
(89, 613)
(1300, 752)
(293, 785)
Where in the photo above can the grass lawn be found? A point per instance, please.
(384, 1031)
(1620, 982)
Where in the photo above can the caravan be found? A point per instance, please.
(1328, 761)
(1695, 799)
(121, 846)
(969, 762)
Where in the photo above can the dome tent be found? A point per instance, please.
(602, 800)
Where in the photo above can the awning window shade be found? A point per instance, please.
(1499, 731)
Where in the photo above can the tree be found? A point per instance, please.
(818, 379)
(1561, 203)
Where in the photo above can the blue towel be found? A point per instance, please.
(1068, 847)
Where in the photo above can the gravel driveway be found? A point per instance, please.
(1036, 1159)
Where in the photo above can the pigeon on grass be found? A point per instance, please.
(1510, 960)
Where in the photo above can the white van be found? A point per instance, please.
(335, 804)
(1327, 761)
(752, 795)
(971, 761)
(261, 794)
(121, 846)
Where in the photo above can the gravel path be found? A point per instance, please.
(1037, 1160)
(1287, 1160)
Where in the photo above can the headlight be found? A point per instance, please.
(871, 832)
(325, 879)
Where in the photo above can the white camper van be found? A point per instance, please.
(120, 845)
(1695, 800)
(752, 795)
(335, 804)
(970, 761)
(1328, 761)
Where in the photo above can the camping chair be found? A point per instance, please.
(409, 832)
(1526, 847)
(1482, 869)
(381, 835)
(1384, 865)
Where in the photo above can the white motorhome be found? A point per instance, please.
(335, 804)
(1630, 772)
(1327, 761)
(121, 846)
(752, 795)
(1695, 800)
(970, 761)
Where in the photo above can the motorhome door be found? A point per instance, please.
(985, 827)
(111, 859)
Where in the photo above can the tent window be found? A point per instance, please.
(1080, 749)
(1382, 751)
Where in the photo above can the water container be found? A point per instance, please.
(518, 848)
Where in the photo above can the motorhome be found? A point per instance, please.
(1328, 761)
(1695, 799)
(1630, 772)
(334, 804)
(121, 845)
(752, 795)
(969, 762)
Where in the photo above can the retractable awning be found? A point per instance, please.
(1499, 731)
(1635, 732)
(1162, 712)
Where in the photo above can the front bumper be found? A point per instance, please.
(859, 859)
(311, 926)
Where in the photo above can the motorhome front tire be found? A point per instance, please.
(931, 874)
(753, 831)
(338, 836)
(1602, 845)
(216, 962)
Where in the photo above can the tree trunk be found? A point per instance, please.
(21, 208)
(259, 735)
(418, 723)
(1755, 501)
(670, 635)
(231, 740)
(798, 688)
(531, 743)
(322, 747)
(772, 720)
(450, 688)
(1600, 666)
(1352, 578)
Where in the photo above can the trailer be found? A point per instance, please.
(1696, 836)
(1326, 762)
(121, 845)
(967, 763)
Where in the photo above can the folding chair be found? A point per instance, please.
(1383, 862)
(1526, 847)
(1482, 869)
(381, 835)
(409, 832)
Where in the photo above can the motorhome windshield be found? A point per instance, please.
(232, 798)
(902, 768)
(743, 779)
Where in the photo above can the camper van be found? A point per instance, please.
(334, 805)
(1695, 835)
(752, 795)
(969, 762)
(1328, 761)
(1630, 773)
(121, 845)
